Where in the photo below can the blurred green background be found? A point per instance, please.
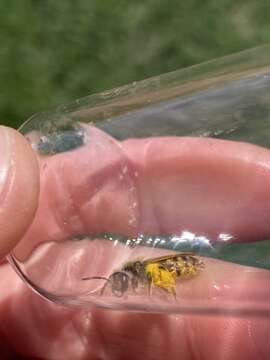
(52, 52)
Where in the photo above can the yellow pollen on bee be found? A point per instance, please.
(161, 277)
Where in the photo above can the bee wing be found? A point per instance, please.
(161, 259)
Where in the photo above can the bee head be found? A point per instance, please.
(119, 282)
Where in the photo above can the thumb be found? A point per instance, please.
(19, 187)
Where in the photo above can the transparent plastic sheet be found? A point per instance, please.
(154, 196)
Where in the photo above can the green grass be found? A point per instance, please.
(52, 52)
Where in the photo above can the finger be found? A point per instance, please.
(123, 324)
(19, 179)
(167, 170)
(174, 337)
(35, 327)
(169, 185)
(205, 186)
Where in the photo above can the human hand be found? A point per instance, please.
(36, 328)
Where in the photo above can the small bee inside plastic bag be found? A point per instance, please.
(155, 196)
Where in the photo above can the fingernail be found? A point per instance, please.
(5, 158)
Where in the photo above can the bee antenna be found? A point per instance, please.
(98, 278)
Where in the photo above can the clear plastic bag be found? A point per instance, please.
(154, 196)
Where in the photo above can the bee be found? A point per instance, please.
(161, 272)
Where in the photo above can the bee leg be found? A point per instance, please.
(149, 286)
(105, 286)
(170, 291)
(174, 293)
(134, 284)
